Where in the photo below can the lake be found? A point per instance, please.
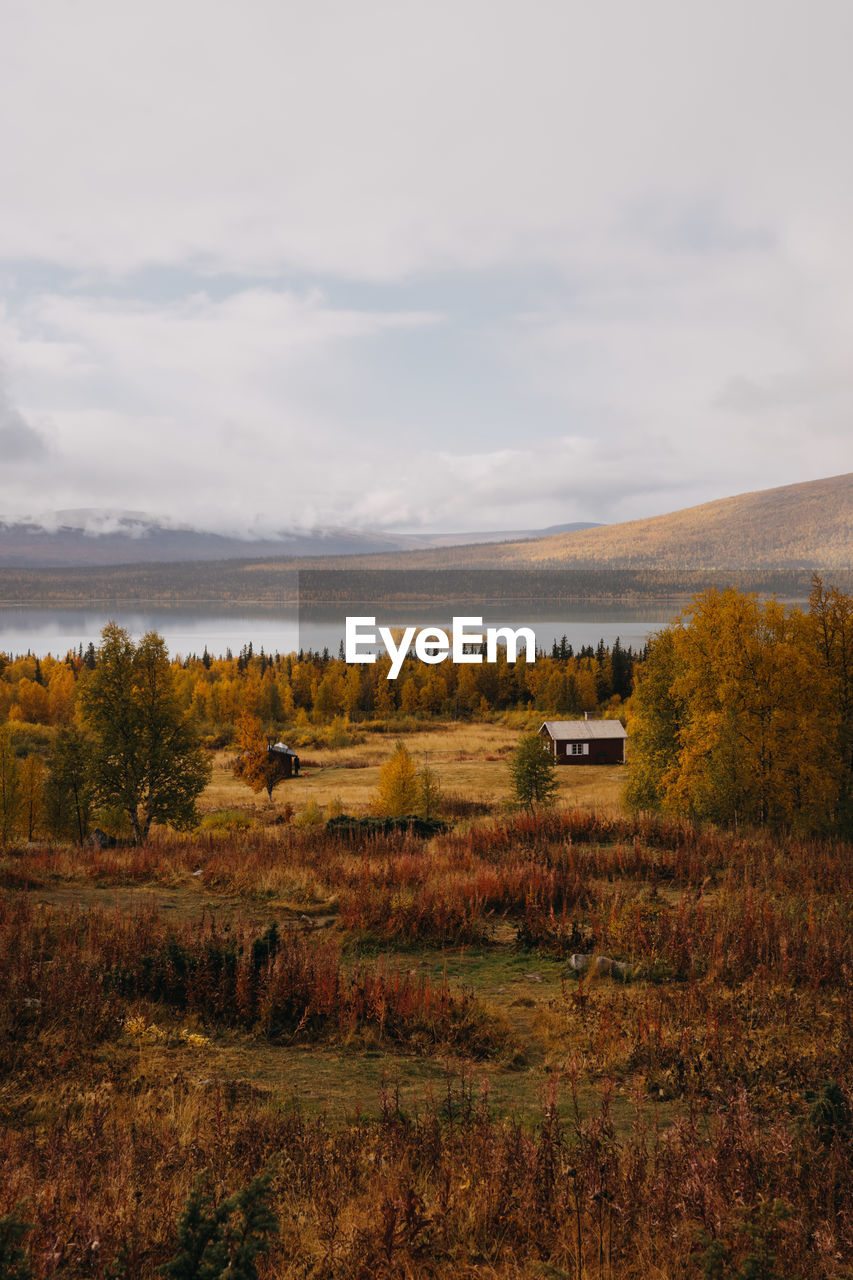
(285, 629)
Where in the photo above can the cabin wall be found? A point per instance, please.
(288, 765)
(601, 751)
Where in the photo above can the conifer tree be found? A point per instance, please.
(533, 774)
(429, 793)
(225, 1240)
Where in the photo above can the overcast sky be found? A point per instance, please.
(442, 265)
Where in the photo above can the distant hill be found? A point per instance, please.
(92, 538)
(769, 541)
(798, 526)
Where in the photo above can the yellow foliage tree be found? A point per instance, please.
(831, 620)
(33, 701)
(398, 789)
(32, 777)
(259, 768)
(733, 718)
(10, 788)
(60, 687)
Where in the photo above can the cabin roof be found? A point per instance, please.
(283, 750)
(583, 730)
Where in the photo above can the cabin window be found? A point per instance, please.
(578, 748)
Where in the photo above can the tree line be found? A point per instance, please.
(740, 712)
(743, 713)
(309, 687)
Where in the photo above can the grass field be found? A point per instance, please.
(470, 760)
(391, 1026)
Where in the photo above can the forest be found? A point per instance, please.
(363, 579)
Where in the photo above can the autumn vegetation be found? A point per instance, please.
(743, 713)
(701, 1108)
(69, 717)
(361, 1047)
(254, 763)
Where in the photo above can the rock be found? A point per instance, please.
(600, 966)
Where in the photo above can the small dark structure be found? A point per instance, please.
(286, 759)
(585, 741)
(100, 840)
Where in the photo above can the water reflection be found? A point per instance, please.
(283, 629)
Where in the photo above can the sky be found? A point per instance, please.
(457, 265)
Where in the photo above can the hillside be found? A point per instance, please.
(799, 526)
(768, 541)
(804, 526)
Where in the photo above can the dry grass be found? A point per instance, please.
(472, 1111)
(470, 759)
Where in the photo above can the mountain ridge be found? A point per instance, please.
(89, 538)
(766, 540)
(808, 525)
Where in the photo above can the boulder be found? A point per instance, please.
(600, 967)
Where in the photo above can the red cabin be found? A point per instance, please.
(585, 741)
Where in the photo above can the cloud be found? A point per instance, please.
(19, 442)
(461, 265)
(376, 141)
(273, 408)
(820, 390)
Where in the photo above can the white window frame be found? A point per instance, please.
(577, 748)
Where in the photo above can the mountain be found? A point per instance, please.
(798, 526)
(99, 538)
(768, 541)
(470, 539)
(92, 538)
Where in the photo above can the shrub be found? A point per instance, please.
(14, 1263)
(224, 1240)
(226, 820)
(310, 816)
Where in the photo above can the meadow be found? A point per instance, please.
(392, 1028)
(469, 759)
